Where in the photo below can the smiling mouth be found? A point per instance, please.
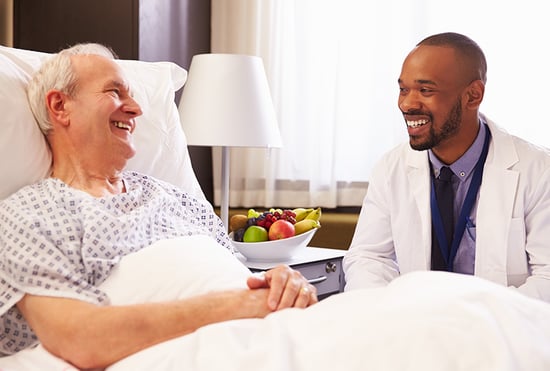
(122, 125)
(416, 123)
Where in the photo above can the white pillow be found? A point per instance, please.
(159, 139)
(25, 156)
(172, 269)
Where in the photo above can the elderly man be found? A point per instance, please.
(60, 238)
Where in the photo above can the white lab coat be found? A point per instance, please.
(393, 234)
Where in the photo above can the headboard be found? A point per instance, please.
(159, 139)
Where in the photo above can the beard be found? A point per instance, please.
(448, 129)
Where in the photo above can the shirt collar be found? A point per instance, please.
(466, 163)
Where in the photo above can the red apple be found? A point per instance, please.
(281, 229)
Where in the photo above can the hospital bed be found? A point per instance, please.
(421, 321)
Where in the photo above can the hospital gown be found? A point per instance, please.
(58, 241)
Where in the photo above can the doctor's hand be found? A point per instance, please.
(287, 288)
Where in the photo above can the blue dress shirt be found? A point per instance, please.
(463, 169)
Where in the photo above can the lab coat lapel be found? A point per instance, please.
(418, 178)
(495, 208)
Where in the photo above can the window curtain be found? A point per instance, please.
(333, 65)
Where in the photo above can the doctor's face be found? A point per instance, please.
(430, 96)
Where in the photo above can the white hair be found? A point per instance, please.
(58, 73)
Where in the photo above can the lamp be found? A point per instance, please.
(226, 103)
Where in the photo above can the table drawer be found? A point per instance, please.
(326, 276)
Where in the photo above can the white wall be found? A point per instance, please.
(6, 22)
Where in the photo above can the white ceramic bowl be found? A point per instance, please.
(277, 250)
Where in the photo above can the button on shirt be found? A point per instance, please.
(463, 169)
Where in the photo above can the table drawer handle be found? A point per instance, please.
(313, 281)
(330, 267)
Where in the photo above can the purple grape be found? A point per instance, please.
(251, 221)
(238, 234)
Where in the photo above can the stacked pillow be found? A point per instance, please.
(159, 139)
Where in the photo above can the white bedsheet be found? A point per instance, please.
(421, 321)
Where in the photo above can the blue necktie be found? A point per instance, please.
(445, 200)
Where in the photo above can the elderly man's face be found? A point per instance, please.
(102, 111)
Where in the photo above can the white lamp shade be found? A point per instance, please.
(226, 102)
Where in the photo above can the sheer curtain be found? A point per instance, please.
(333, 65)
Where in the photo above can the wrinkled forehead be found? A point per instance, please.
(97, 70)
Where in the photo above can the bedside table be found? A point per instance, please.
(322, 267)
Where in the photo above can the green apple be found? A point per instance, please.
(255, 233)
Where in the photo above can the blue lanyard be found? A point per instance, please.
(464, 212)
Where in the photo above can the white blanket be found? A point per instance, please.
(421, 321)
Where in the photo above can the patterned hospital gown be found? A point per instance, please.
(59, 241)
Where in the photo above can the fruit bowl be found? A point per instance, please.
(276, 250)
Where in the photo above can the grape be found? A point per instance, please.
(289, 213)
(268, 217)
(289, 216)
(251, 221)
(238, 234)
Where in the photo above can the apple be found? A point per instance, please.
(255, 233)
(281, 229)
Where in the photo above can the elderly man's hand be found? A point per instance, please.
(287, 288)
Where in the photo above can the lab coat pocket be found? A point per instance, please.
(516, 254)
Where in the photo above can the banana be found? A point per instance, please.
(305, 225)
(315, 214)
(301, 213)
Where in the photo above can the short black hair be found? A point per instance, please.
(465, 46)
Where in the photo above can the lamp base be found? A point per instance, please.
(224, 209)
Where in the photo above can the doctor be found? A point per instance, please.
(500, 184)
